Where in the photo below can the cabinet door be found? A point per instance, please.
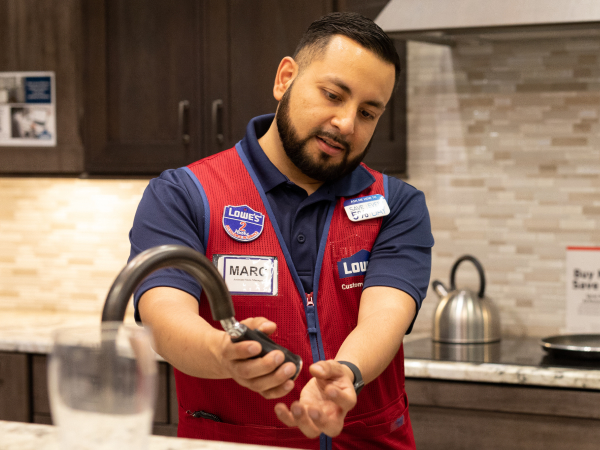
(148, 118)
(388, 149)
(39, 389)
(389, 145)
(246, 40)
(45, 35)
(473, 416)
(15, 399)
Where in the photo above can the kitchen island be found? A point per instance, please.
(523, 402)
(27, 436)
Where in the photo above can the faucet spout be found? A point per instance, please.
(171, 256)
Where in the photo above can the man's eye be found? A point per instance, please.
(331, 96)
(367, 114)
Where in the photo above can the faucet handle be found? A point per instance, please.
(268, 346)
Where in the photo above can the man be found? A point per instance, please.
(340, 257)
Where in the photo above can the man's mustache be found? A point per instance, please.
(334, 137)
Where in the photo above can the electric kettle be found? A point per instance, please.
(463, 316)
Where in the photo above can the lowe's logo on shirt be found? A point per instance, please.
(354, 265)
(242, 223)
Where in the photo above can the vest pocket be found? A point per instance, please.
(387, 420)
(205, 428)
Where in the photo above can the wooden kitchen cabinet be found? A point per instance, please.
(128, 83)
(39, 390)
(389, 145)
(15, 396)
(46, 35)
(145, 78)
(147, 85)
(242, 70)
(245, 41)
(171, 83)
(465, 416)
(164, 424)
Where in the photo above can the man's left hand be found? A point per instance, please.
(324, 401)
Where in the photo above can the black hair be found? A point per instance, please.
(352, 25)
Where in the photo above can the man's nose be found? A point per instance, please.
(344, 120)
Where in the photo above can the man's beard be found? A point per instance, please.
(319, 168)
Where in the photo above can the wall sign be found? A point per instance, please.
(27, 109)
(583, 290)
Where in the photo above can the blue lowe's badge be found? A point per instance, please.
(354, 265)
(242, 223)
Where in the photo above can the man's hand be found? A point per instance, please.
(192, 345)
(324, 401)
(263, 375)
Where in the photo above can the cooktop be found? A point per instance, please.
(523, 351)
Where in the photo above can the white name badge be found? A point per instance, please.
(364, 208)
(248, 275)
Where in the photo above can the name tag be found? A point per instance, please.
(364, 208)
(248, 275)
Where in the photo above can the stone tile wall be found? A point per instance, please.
(504, 141)
(63, 241)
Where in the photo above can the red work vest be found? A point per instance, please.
(380, 418)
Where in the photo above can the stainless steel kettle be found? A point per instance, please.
(463, 316)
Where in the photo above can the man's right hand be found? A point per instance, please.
(264, 375)
(179, 332)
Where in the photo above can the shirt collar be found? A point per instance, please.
(270, 177)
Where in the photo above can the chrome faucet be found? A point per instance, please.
(206, 274)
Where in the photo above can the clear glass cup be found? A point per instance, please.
(102, 386)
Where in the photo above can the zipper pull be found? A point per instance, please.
(311, 322)
(309, 299)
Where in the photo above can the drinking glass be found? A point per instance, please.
(102, 386)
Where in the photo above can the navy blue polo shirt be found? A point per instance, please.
(171, 212)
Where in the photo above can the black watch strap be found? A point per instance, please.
(358, 380)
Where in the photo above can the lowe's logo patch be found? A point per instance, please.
(242, 223)
(354, 265)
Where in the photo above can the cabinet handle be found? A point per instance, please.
(184, 121)
(217, 120)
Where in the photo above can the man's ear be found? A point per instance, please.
(286, 72)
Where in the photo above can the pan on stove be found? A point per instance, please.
(581, 346)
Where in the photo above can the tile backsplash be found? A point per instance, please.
(504, 140)
(63, 241)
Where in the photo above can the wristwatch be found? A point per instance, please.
(358, 380)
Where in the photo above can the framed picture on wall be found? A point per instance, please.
(27, 109)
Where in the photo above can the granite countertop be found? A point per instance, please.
(28, 436)
(511, 361)
(31, 332)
